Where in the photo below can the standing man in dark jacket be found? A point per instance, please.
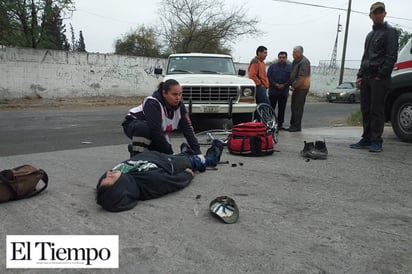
(257, 72)
(278, 75)
(300, 84)
(149, 124)
(374, 77)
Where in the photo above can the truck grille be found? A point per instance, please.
(209, 94)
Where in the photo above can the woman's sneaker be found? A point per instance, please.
(185, 149)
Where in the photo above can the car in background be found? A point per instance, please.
(398, 101)
(345, 92)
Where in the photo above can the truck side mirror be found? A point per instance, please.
(241, 72)
(158, 71)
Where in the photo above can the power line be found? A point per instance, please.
(307, 4)
(335, 8)
(107, 17)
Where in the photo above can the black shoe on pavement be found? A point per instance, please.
(292, 129)
(320, 152)
(308, 149)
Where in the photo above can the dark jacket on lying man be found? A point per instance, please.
(149, 175)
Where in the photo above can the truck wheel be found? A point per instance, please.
(401, 117)
(241, 118)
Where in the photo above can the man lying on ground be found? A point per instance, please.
(151, 174)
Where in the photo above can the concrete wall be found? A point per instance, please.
(59, 74)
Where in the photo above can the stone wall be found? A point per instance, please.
(58, 74)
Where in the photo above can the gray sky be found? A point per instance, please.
(284, 25)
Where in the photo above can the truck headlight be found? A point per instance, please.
(247, 92)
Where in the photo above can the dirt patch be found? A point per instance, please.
(85, 103)
(69, 103)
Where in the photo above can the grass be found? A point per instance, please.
(355, 118)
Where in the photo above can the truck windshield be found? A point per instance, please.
(203, 65)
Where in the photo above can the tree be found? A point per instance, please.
(31, 23)
(76, 45)
(203, 26)
(404, 37)
(141, 42)
(81, 46)
(73, 38)
(53, 29)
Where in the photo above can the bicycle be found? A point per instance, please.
(206, 137)
(267, 116)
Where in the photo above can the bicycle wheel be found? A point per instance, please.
(268, 117)
(206, 137)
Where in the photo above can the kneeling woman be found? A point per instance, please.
(149, 124)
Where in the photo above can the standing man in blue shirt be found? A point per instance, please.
(278, 75)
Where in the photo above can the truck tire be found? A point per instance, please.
(238, 118)
(401, 117)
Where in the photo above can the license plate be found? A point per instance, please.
(333, 97)
(211, 109)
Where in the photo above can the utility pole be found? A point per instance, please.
(332, 63)
(342, 66)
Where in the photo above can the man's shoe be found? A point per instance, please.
(215, 151)
(308, 150)
(320, 151)
(361, 144)
(376, 147)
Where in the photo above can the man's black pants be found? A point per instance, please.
(280, 100)
(297, 106)
(373, 107)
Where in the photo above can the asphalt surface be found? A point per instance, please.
(24, 132)
(351, 213)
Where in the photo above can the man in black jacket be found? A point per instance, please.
(374, 77)
(149, 175)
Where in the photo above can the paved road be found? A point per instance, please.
(24, 132)
(351, 213)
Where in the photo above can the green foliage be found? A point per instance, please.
(141, 42)
(4, 101)
(355, 118)
(81, 46)
(404, 37)
(34, 24)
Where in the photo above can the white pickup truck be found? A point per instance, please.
(398, 101)
(211, 87)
